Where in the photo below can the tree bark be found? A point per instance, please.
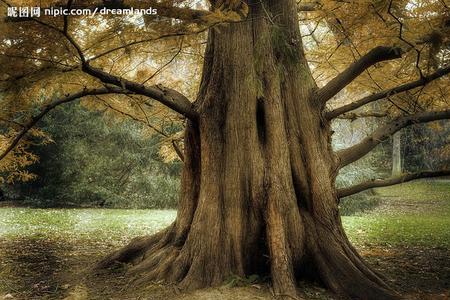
(258, 191)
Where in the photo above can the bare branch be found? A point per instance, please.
(401, 38)
(160, 69)
(11, 122)
(357, 151)
(353, 116)
(178, 150)
(146, 122)
(68, 98)
(43, 59)
(151, 39)
(169, 97)
(345, 192)
(389, 92)
(66, 18)
(65, 33)
(374, 56)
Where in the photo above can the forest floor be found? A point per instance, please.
(48, 253)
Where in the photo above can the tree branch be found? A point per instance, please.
(169, 97)
(353, 116)
(389, 92)
(345, 192)
(306, 7)
(68, 98)
(357, 151)
(178, 150)
(146, 122)
(374, 56)
(151, 39)
(63, 32)
(66, 18)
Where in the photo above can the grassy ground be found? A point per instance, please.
(46, 254)
(407, 237)
(415, 213)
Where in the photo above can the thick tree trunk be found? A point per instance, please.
(258, 190)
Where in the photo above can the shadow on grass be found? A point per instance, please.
(359, 203)
(32, 268)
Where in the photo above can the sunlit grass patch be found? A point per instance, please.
(406, 230)
(419, 190)
(413, 214)
(96, 224)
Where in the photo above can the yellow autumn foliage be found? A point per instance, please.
(41, 65)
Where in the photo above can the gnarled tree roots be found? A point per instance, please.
(327, 257)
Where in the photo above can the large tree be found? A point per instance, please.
(258, 185)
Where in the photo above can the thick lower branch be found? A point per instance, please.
(345, 192)
(387, 93)
(357, 151)
(169, 97)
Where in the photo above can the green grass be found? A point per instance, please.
(420, 191)
(412, 214)
(78, 224)
(403, 230)
(43, 250)
(415, 213)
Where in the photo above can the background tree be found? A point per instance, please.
(259, 170)
(99, 159)
(397, 160)
(427, 147)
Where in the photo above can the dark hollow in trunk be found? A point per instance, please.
(258, 189)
